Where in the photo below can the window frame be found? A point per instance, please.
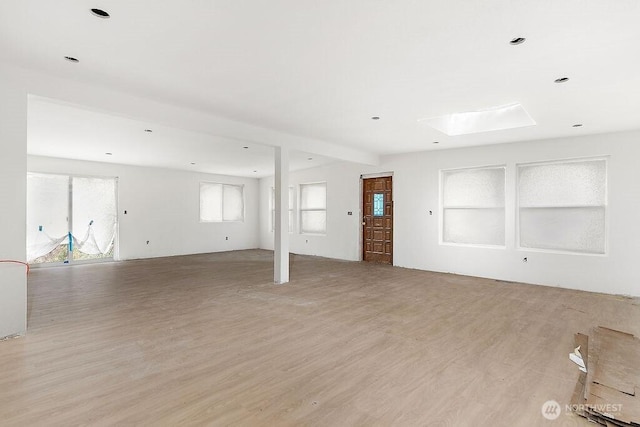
(223, 185)
(605, 206)
(443, 208)
(301, 210)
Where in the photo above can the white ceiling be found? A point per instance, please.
(57, 129)
(322, 69)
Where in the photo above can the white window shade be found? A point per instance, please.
(580, 183)
(474, 226)
(474, 188)
(313, 222)
(232, 204)
(313, 196)
(313, 208)
(576, 229)
(562, 206)
(473, 209)
(210, 202)
(221, 202)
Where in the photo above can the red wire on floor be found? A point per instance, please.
(16, 262)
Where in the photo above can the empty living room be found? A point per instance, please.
(337, 213)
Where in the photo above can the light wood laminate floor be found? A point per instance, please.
(210, 340)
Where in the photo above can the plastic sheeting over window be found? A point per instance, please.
(94, 214)
(70, 217)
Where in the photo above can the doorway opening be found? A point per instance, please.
(377, 219)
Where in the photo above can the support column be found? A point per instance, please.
(13, 196)
(281, 229)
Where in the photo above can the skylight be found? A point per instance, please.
(509, 116)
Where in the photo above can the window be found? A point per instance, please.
(473, 208)
(272, 204)
(313, 208)
(378, 204)
(221, 202)
(562, 205)
(70, 218)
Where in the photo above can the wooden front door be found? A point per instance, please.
(377, 221)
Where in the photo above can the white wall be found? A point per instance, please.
(163, 207)
(343, 195)
(13, 180)
(416, 192)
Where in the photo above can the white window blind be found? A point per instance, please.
(272, 204)
(221, 202)
(313, 208)
(562, 205)
(473, 208)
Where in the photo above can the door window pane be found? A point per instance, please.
(378, 204)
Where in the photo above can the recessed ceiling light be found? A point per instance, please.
(71, 59)
(436, 142)
(577, 125)
(517, 40)
(375, 118)
(100, 13)
(109, 154)
(255, 171)
(193, 163)
(245, 147)
(309, 158)
(148, 130)
(562, 80)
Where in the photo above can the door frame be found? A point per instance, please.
(361, 213)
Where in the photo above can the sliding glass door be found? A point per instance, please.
(70, 218)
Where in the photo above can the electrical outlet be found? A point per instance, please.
(147, 242)
(525, 259)
(226, 238)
